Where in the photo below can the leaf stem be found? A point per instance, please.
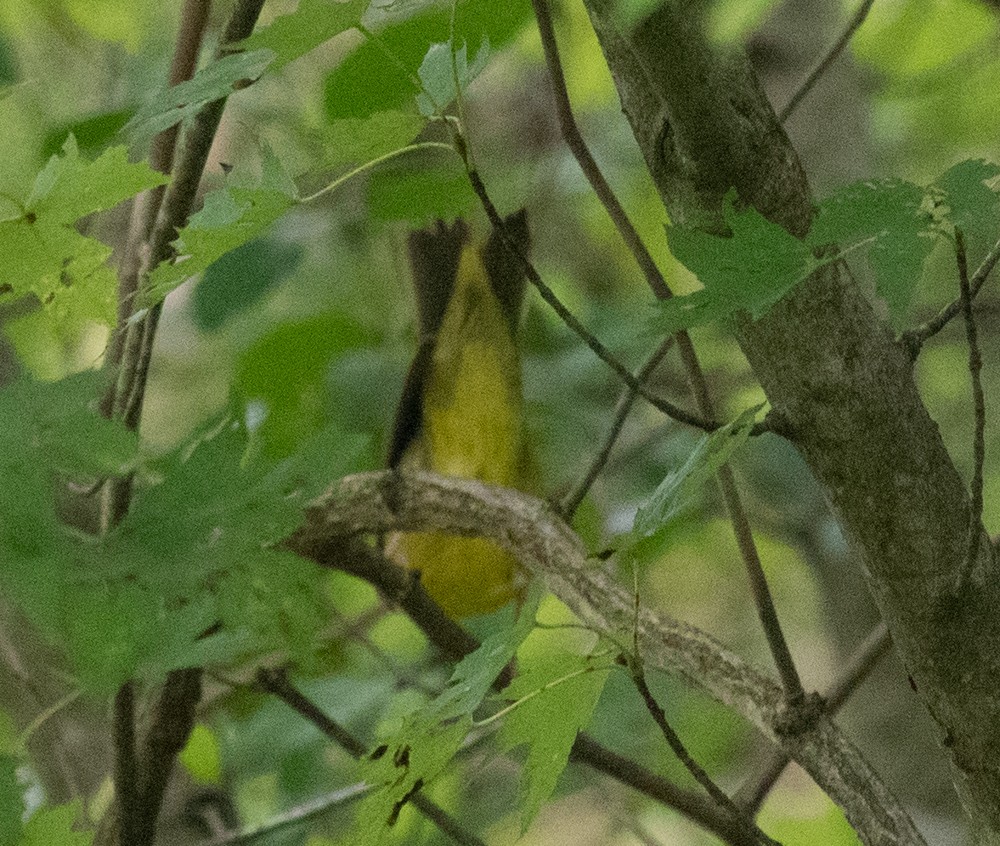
(979, 410)
(340, 180)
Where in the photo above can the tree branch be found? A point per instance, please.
(546, 547)
(833, 373)
(823, 65)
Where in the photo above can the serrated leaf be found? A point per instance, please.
(230, 218)
(314, 22)
(69, 187)
(398, 773)
(49, 826)
(429, 739)
(749, 271)
(365, 139)
(45, 255)
(438, 74)
(558, 695)
(653, 520)
(178, 103)
(892, 214)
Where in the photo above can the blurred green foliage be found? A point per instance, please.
(301, 326)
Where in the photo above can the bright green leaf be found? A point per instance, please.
(556, 696)
(351, 140)
(53, 826)
(314, 22)
(200, 756)
(43, 252)
(440, 71)
(231, 217)
(749, 271)
(180, 102)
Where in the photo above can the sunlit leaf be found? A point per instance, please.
(200, 756)
(54, 825)
(231, 217)
(558, 694)
(43, 252)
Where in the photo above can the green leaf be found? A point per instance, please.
(429, 739)
(892, 214)
(972, 205)
(750, 270)
(201, 757)
(419, 196)
(231, 217)
(45, 255)
(281, 385)
(556, 696)
(352, 140)
(238, 280)
(314, 22)
(11, 801)
(379, 76)
(438, 73)
(180, 102)
(53, 826)
(650, 529)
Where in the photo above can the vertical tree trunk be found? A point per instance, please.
(833, 370)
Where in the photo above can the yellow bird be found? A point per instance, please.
(461, 412)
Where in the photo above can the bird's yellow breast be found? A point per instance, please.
(473, 427)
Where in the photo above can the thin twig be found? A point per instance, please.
(696, 379)
(979, 409)
(298, 814)
(754, 791)
(913, 339)
(823, 65)
(126, 395)
(578, 147)
(276, 682)
(634, 665)
(571, 321)
(126, 764)
(572, 500)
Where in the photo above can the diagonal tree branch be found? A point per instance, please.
(548, 548)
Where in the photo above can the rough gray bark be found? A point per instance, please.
(832, 368)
